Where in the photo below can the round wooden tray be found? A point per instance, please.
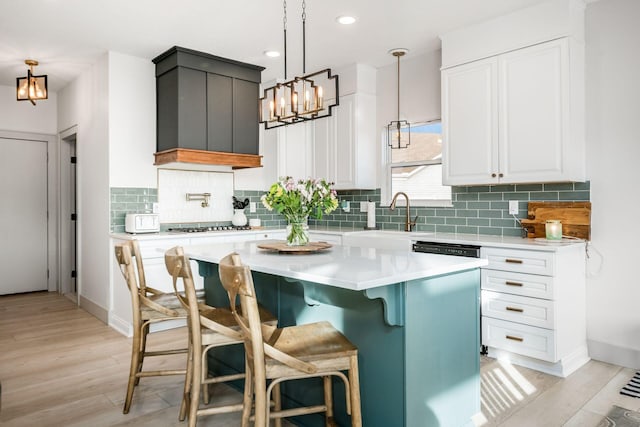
(282, 247)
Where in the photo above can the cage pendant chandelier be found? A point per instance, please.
(31, 88)
(398, 131)
(307, 97)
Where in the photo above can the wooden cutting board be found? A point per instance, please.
(575, 217)
(282, 247)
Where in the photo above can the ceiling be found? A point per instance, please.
(67, 36)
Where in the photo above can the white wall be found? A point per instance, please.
(613, 138)
(85, 103)
(22, 116)
(419, 89)
(419, 100)
(132, 121)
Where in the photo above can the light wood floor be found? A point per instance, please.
(60, 366)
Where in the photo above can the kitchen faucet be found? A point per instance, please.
(408, 223)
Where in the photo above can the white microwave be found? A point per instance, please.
(142, 223)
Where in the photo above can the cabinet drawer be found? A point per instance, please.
(526, 340)
(155, 248)
(268, 235)
(334, 239)
(520, 261)
(525, 310)
(528, 285)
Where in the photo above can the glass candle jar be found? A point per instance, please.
(553, 229)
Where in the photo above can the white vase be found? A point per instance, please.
(239, 219)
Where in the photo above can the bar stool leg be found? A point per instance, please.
(328, 401)
(133, 370)
(354, 392)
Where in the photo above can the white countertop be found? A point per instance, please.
(471, 239)
(511, 242)
(178, 235)
(353, 268)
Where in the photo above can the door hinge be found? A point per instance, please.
(74, 217)
(74, 159)
(73, 274)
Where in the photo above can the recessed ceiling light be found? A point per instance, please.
(272, 53)
(346, 20)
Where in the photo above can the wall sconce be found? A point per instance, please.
(32, 87)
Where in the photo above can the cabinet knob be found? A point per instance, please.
(500, 175)
(493, 175)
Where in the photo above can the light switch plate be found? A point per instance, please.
(513, 207)
(252, 207)
(155, 208)
(364, 207)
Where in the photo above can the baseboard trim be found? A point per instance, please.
(120, 325)
(125, 328)
(609, 353)
(562, 368)
(94, 309)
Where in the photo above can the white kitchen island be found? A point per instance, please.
(413, 316)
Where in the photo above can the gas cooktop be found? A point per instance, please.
(208, 228)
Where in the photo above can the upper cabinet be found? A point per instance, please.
(344, 144)
(340, 148)
(294, 149)
(207, 109)
(518, 116)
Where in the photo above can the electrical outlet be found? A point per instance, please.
(252, 207)
(364, 207)
(513, 207)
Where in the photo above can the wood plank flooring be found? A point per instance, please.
(60, 366)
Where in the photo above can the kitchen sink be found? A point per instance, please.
(412, 235)
(388, 239)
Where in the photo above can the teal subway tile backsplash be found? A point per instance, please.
(476, 210)
(130, 200)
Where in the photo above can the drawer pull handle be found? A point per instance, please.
(513, 261)
(518, 310)
(512, 283)
(511, 337)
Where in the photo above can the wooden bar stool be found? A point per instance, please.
(282, 354)
(209, 327)
(149, 306)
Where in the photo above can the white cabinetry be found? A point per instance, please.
(516, 117)
(271, 235)
(344, 144)
(319, 236)
(156, 276)
(533, 307)
(294, 153)
(152, 252)
(340, 148)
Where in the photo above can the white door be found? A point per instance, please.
(23, 216)
(470, 123)
(533, 112)
(294, 150)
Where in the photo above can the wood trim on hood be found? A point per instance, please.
(185, 155)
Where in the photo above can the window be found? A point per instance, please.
(417, 169)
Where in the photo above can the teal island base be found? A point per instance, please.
(418, 344)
